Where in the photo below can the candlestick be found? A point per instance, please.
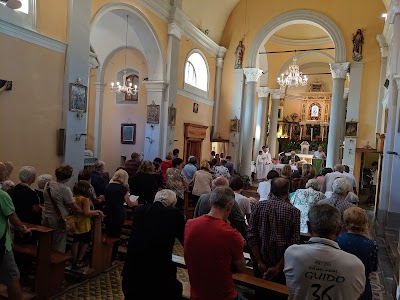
(290, 132)
(301, 132)
(312, 130)
(323, 132)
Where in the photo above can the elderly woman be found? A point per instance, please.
(116, 194)
(356, 241)
(340, 188)
(98, 182)
(176, 181)
(303, 199)
(58, 199)
(41, 182)
(26, 202)
(144, 184)
(202, 182)
(149, 272)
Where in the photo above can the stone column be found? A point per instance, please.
(261, 124)
(100, 86)
(154, 142)
(339, 71)
(384, 55)
(217, 90)
(76, 66)
(252, 76)
(273, 119)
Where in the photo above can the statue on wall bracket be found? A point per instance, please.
(358, 41)
(239, 55)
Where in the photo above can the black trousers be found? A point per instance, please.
(114, 230)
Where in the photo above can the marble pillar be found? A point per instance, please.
(261, 124)
(234, 137)
(252, 75)
(76, 68)
(382, 78)
(100, 86)
(339, 72)
(273, 119)
(217, 90)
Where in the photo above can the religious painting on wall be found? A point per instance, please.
(128, 133)
(280, 113)
(235, 125)
(195, 108)
(351, 129)
(314, 111)
(171, 116)
(132, 80)
(77, 97)
(153, 114)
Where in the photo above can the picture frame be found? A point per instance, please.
(234, 125)
(171, 116)
(153, 114)
(128, 133)
(195, 108)
(351, 129)
(77, 97)
(280, 113)
(134, 79)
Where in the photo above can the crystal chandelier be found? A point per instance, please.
(292, 77)
(124, 88)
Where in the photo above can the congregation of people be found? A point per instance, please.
(305, 231)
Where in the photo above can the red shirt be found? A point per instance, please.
(165, 165)
(210, 247)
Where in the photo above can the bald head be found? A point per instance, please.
(280, 187)
(220, 181)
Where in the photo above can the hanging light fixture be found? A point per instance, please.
(13, 4)
(293, 76)
(126, 86)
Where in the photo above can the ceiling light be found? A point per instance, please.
(13, 4)
(293, 76)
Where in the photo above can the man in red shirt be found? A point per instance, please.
(213, 249)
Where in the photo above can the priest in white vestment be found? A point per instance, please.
(260, 166)
(267, 160)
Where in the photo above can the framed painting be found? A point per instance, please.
(128, 133)
(235, 125)
(171, 116)
(351, 129)
(153, 114)
(134, 80)
(195, 108)
(77, 97)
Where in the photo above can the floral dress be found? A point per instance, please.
(176, 181)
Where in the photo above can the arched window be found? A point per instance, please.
(23, 17)
(196, 71)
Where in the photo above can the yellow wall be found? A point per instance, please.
(30, 114)
(114, 114)
(52, 19)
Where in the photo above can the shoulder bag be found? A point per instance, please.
(67, 222)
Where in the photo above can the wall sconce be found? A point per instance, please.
(151, 141)
(78, 136)
(79, 115)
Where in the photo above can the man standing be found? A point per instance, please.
(229, 164)
(212, 249)
(319, 153)
(319, 269)
(132, 165)
(274, 226)
(260, 166)
(292, 159)
(350, 177)
(373, 183)
(175, 154)
(330, 178)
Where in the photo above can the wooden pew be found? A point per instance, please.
(243, 279)
(50, 263)
(102, 248)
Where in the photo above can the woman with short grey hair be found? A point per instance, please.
(41, 182)
(303, 199)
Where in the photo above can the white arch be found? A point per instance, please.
(298, 17)
(290, 60)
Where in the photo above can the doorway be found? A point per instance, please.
(194, 137)
(193, 148)
(369, 180)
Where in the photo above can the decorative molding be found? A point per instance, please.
(220, 62)
(396, 78)
(339, 70)
(32, 37)
(252, 74)
(195, 97)
(275, 94)
(295, 42)
(169, 13)
(175, 30)
(155, 86)
(100, 86)
(263, 91)
(383, 45)
(298, 16)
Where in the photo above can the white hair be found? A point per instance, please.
(98, 165)
(353, 198)
(166, 197)
(313, 183)
(341, 185)
(43, 179)
(6, 185)
(26, 173)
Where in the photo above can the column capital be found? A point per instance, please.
(339, 70)
(275, 94)
(155, 86)
(221, 52)
(383, 45)
(252, 74)
(394, 11)
(174, 30)
(220, 62)
(263, 91)
(100, 86)
(396, 78)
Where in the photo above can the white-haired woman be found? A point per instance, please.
(116, 194)
(41, 183)
(150, 248)
(303, 199)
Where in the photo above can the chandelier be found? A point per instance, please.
(127, 84)
(292, 77)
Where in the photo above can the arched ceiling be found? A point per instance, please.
(301, 32)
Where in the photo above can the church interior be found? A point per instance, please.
(98, 80)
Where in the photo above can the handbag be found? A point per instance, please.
(67, 222)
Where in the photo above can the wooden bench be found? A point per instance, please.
(243, 279)
(50, 264)
(25, 295)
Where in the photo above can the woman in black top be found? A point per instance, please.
(116, 194)
(149, 272)
(144, 183)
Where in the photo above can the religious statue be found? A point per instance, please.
(239, 55)
(358, 41)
